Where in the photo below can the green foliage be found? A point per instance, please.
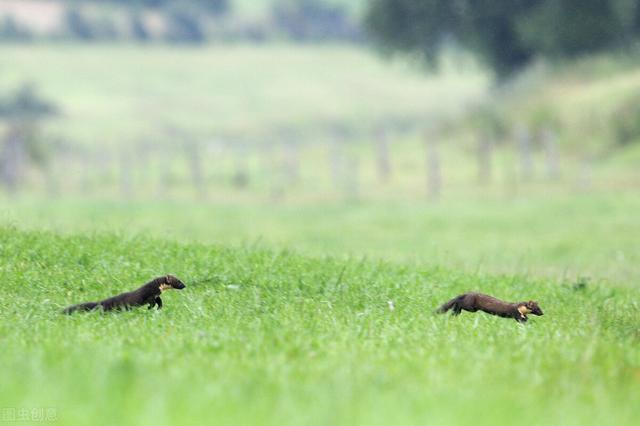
(569, 28)
(423, 26)
(262, 337)
(506, 34)
(490, 120)
(543, 117)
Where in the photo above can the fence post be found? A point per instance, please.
(585, 174)
(337, 156)
(268, 161)
(382, 155)
(550, 144)
(241, 175)
(352, 183)
(485, 151)
(51, 178)
(523, 138)
(194, 158)
(86, 166)
(292, 162)
(434, 172)
(126, 180)
(12, 159)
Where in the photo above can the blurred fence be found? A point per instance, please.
(338, 166)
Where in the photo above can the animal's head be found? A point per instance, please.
(530, 307)
(170, 282)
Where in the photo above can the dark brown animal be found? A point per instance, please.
(147, 294)
(473, 302)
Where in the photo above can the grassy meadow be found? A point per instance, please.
(588, 236)
(122, 95)
(286, 318)
(272, 337)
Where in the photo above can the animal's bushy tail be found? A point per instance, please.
(80, 307)
(450, 304)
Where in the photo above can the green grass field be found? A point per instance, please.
(122, 95)
(113, 94)
(566, 238)
(286, 319)
(272, 337)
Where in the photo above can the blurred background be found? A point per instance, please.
(499, 136)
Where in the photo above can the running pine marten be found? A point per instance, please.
(473, 302)
(147, 294)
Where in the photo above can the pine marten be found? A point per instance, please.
(473, 302)
(147, 294)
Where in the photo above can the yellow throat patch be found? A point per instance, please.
(523, 310)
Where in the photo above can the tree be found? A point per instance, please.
(22, 111)
(138, 27)
(77, 24)
(216, 7)
(185, 25)
(505, 34)
(306, 20)
(11, 30)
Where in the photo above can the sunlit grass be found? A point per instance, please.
(286, 316)
(565, 237)
(272, 337)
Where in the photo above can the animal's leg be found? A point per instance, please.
(457, 309)
(158, 302)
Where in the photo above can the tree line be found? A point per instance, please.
(195, 21)
(507, 35)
